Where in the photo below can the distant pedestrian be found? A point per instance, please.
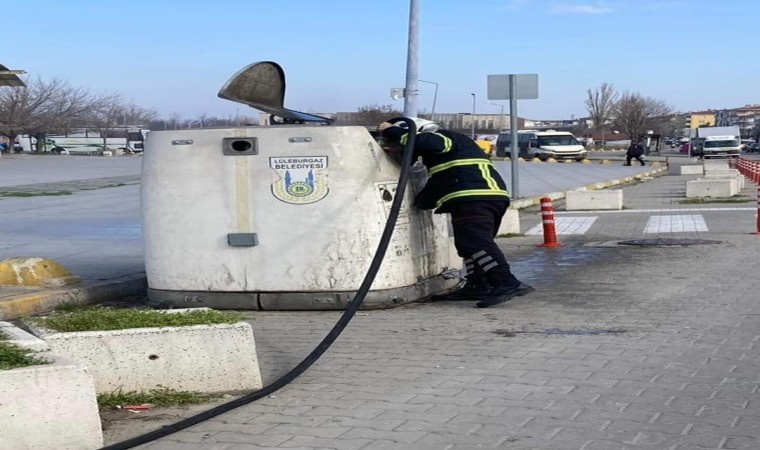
(635, 150)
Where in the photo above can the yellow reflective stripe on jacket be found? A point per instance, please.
(485, 170)
(458, 162)
(469, 193)
(447, 143)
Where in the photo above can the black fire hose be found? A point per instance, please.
(327, 341)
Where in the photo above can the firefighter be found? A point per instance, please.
(464, 183)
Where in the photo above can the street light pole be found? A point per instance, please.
(412, 61)
(435, 97)
(473, 116)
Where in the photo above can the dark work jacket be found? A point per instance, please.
(635, 150)
(459, 169)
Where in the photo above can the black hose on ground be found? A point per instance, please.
(327, 341)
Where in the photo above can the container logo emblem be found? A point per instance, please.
(301, 179)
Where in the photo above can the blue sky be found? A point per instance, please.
(339, 55)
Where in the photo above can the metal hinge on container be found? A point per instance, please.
(242, 239)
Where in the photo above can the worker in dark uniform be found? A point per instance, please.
(464, 183)
(635, 150)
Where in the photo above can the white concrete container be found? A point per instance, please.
(282, 217)
(51, 406)
(204, 358)
(719, 188)
(606, 199)
(510, 223)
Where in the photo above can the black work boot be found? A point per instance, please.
(502, 294)
(468, 290)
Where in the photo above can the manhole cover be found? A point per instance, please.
(508, 333)
(669, 242)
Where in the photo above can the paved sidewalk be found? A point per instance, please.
(620, 347)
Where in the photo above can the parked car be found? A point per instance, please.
(753, 148)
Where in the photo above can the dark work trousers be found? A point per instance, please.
(475, 226)
(638, 158)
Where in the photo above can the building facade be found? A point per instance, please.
(747, 118)
(701, 119)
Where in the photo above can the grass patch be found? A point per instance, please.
(33, 194)
(99, 318)
(156, 397)
(103, 187)
(510, 235)
(13, 357)
(699, 201)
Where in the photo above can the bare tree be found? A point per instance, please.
(20, 106)
(600, 104)
(137, 116)
(670, 125)
(173, 122)
(634, 113)
(44, 107)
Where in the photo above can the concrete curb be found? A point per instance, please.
(533, 201)
(45, 300)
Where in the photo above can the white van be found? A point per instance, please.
(717, 146)
(542, 145)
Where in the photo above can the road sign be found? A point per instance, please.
(513, 87)
(526, 86)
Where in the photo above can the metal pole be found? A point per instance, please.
(435, 97)
(473, 116)
(412, 61)
(513, 133)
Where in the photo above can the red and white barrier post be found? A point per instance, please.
(550, 229)
(757, 231)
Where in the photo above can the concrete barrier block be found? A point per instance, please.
(205, 358)
(712, 165)
(594, 200)
(17, 336)
(49, 406)
(687, 170)
(718, 188)
(34, 271)
(510, 223)
(726, 175)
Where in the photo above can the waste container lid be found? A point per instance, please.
(261, 85)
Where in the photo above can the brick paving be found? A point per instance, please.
(620, 347)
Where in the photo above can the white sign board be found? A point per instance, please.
(526, 86)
